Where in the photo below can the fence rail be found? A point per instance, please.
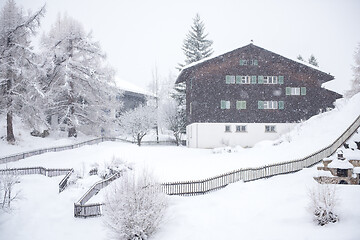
(19, 156)
(49, 172)
(81, 209)
(191, 188)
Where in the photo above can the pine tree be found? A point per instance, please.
(77, 84)
(313, 61)
(18, 64)
(196, 46)
(299, 57)
(355, 83)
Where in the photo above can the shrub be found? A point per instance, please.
(323, 201)
(134, 207)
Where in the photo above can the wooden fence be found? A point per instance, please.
(191, 188)
(83, 210)
(19, 156)
(49, 172)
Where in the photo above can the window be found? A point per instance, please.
(270, 128)
(230, 79)
(227, 128)
(244, 79)
(253, 79)
(241, 128)
(244, 62)
(270, 80)
(240, 105)
(342, 172)
(295, 91)
(224, 104)
(270, 104)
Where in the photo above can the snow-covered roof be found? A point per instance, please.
(126, 86)
(342, 164)
(218, 55)
(356, 170)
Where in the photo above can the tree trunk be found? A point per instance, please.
(9, 133)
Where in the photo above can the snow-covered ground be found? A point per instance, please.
(274, 208)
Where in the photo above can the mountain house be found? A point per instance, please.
(248, 95)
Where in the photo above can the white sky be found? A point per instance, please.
(138, 35)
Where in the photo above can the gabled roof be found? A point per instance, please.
(188, 69)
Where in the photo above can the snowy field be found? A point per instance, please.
(274, 208)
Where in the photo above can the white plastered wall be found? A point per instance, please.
(212, 135)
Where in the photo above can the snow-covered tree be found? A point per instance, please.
(323, 202)
(173, 119)
(138, 122)
(313, 61)
(78, 85)
(299, 57)
(196, 46)
(19, 68)
(134, 207)
(7, 192)
(355, 83)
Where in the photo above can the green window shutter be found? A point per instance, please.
(253, 79)
(227, 79)
(260, 79)
(243, 104)
(288, 90)
(281, 79)
(238, 105)
(260, 104)
(238, 79)
(255, 62)
(281, 104)
(303, 91)
(223, 104)
(241, 62)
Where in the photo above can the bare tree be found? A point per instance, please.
(138, 122)
(173, 119)
(323, 202)
(7, 195)
(134, 207)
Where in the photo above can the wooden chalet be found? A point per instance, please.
(250, 94)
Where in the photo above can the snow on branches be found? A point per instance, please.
(138, 122)
(134, 207)
(77, 84)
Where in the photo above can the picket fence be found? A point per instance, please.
(19, 156)
(191, 188)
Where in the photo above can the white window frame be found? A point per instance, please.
(270, 79)
(271, 105)
(295, 91)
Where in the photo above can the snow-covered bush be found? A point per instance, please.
(116, 165)
(323, 201)
(134, 207)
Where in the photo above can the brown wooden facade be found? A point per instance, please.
(207, 86)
